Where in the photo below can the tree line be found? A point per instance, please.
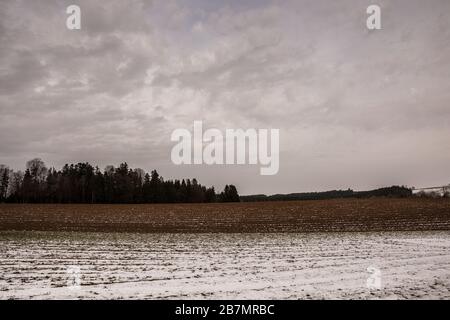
(393, 192)
(84, 183)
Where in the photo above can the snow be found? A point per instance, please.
(43, 265)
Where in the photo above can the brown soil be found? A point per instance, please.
(376, 214)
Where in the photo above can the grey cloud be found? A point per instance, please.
(342, 96)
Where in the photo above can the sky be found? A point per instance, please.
(356, 108)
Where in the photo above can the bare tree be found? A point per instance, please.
(38, 170)
(4, 181)
(15, 183)
(140, 173)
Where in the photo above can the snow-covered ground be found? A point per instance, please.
(48, 265)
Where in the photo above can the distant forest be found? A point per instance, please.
(394, 191)
(83, 183)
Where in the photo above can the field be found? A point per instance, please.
(344, 249)
(296, 216)
(413, 265)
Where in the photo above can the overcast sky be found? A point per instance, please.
(355, 108)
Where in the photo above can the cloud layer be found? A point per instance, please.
(355, 108)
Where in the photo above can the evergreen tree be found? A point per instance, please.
(82, 183)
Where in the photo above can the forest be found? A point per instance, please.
(84, 183)
(390, 192)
